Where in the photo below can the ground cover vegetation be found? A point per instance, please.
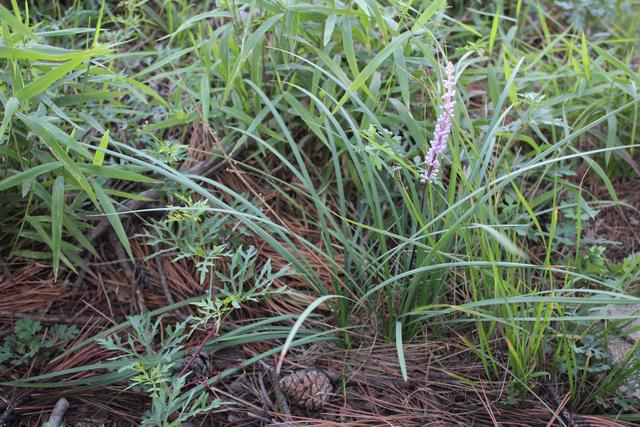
(314, 212)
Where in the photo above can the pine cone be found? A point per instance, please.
(307, 388)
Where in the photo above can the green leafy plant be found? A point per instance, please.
(30, 342)
(53, 148)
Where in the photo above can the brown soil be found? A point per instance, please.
(619, 224)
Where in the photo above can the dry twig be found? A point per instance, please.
(281, 399)
(163, 278)
(55, 419)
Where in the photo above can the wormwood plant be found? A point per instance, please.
(157, 357)
(154, 366)
(195, 231)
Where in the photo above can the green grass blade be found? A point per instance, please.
(429, 12)
(372, 66)
(112, 215)
(400, 350)
(98, 158)
(57, 207)
(10, 108)
(28, 175)
(294, 329)
(9, 18)
(42, 83)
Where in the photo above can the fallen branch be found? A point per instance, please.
(281, 399)
(163, 278)
(55, 419)
(10, 409)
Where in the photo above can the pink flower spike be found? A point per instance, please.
(442, 129)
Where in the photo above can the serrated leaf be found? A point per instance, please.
(26, 329)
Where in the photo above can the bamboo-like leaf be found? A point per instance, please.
(42, 83)
(12, 106)
(112, 215)
(401, 73)
(503, 240)
(98, 158)
(294, 329)
(493, 35)
(98, 25)
(428, 13)
(87, 96)
(14, 22)
(28, 175)
(117, 172)
(400, 350)
(205, 96)
(60, 154)
(372, 66)
(49, 53)
(252, 41)
(365, 8)
(612, 136)
(195, 19)
(329, 26)
(584, 54)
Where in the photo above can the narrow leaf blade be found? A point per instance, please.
(57, 207)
